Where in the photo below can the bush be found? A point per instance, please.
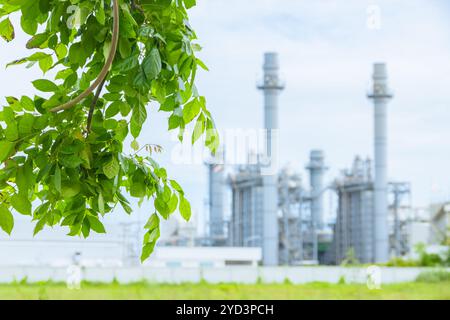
(429, 259)
(399, 262)
(350, 258)
(341, 280)
(433, 276)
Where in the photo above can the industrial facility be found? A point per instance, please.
(261, 214)
(283, 215)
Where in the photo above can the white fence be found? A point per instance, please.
(216, 275)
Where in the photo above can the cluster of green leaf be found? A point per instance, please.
(54, 168)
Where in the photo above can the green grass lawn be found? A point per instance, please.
(413, 290)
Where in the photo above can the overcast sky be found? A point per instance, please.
(326, 55)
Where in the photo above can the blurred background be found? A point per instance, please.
(355, 95)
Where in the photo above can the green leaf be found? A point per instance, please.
(176, 186)
(138, 188)
(26, 124)
(70, 219)
(61, 50)
(85, 228)
(127, 64)
(198, 129)
(135, 145)
(153, 222)
(77, 54)
(100, 14)
(125, 109)
(152, 64)
(185, 208)
(40, 225)
(96, 225)
(21, 203)
(168, 105)
(175, 121)
(124, 202)
(24, 178)
(57, 179)
(70, 189)
(113, 109)
(45, 85)
(152, 235)
(191, 110)
(189, 3)
(162, 207)
(27, 103)
(11, 132)
(46, 63)
(147, 250)
(6, 219)
(71, 161)
(202, 64)
(173, 203)
(101, 203)
(5, 149)
(30, 26)
(37, 40)
(6, 30)
(110, 124)
(137, 119)
(111, 169)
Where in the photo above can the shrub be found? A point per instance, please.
(433, 276)
(400, 262)
(428, 259)
(350, 258)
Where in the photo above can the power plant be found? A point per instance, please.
(273, 210)
(262, 213)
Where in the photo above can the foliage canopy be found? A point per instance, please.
(68, 168)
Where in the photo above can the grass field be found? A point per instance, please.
(412, 290)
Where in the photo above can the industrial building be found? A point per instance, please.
(276, 212)
(269, 209)
(440, 223)
(261, 214)
(354, 229)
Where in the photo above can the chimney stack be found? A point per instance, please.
(381, 95)
(271, 87)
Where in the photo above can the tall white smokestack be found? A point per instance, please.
(216, 205)
(271, 88)
(380, 96)
(316, 169)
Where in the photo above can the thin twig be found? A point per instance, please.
(92, 107)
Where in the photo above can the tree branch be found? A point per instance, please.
(102, 76)
(93, 104)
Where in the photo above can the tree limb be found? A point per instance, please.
(103, 73)
(92, 107)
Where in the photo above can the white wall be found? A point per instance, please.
(53, 247)
(213, 275)
(191, 257)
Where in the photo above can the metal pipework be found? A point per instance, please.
(271, 87)
(380, 96)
